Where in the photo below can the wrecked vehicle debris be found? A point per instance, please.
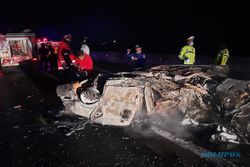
(195, 96)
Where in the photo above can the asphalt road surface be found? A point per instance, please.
(33, 134)
(30, 135)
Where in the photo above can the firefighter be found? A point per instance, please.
(83, 65)
(222, 56)
(187, 53)
(52, 57)
(138, 58)
(64, 52)
(43, 54)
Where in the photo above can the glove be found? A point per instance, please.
(64, 66)
(128, 51)
(66, 52)
(74, 66)
(134, 58)
(82, 74)
(85, 73)
(78, 75)
(185, 58)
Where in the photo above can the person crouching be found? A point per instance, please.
(83, 65)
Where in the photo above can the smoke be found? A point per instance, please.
(170, 122)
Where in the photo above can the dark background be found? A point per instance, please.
(160, 26)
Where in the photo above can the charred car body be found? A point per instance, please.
(188, 96)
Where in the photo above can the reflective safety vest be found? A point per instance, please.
(222, 57)
(63, 52)
(187, 54)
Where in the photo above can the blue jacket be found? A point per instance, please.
(140, 59)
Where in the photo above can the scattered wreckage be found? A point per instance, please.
(184, 96)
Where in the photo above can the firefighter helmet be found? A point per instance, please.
(67, 38)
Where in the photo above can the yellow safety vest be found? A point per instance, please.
(187, 54)
(222, 57)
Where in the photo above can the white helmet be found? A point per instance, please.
(190, 38)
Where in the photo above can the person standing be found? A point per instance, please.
(52, 57)
(64, 63)
(43, 54)
(138, 58)
(222, 56)
(64, 52)
(187, 53)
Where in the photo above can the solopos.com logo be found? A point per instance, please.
(227, 154)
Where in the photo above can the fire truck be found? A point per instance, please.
(16, 47)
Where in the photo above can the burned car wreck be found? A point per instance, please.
(183, 96)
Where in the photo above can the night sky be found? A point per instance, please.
(159, 27)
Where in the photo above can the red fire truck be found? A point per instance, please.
(16, 47)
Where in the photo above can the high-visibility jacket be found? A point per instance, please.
(222, 57)
(187, 54)
(63, 55)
